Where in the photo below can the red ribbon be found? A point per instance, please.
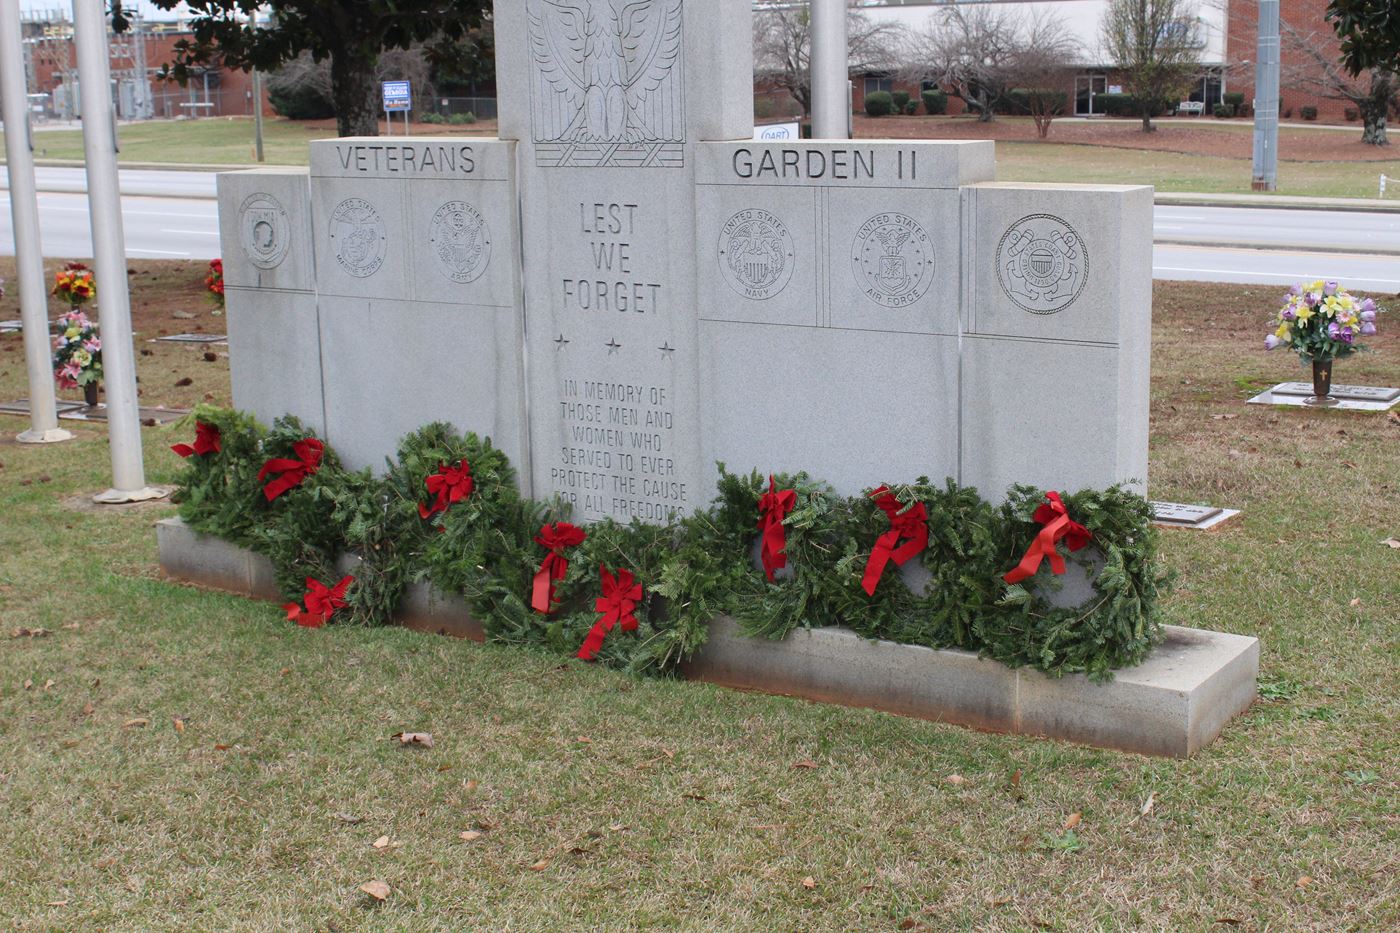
(321, 603)
(912, 526)
(206, 441)
(554, 538)
(1053, 515)
(620, 597)
(309, 452)
(774, 506)
(450, 484)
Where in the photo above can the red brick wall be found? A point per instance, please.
(1242, 38)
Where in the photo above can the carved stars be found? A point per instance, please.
(560, 342)
(667, 351)
(613, 346)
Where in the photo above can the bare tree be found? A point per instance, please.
(1374, 92)
(782, 47)
(1156, 45)
(1044, 60)
(966, 50)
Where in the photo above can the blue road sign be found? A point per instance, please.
(397, 96)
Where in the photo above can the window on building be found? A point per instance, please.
(878, 84)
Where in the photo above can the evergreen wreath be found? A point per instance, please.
(482, 547)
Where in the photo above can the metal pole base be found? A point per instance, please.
(119, 496)
(51, 436)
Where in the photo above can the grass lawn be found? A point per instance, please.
(1176, 171)
(181, 759)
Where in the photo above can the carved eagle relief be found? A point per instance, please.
(607, 70)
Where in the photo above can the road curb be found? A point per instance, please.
(1276, 202)
(1273, 247)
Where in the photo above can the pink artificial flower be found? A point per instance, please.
(93, 346)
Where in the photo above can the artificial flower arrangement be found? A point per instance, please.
(214, 281)
(74, 283)
(77, 351)
(1321, 321)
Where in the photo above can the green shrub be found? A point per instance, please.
(1124, 105)
(298, 101)
(911, 107)
(1308, 113)
(461, 119)
(879, 103)
(901, 100)
(1235, 99)
(432, 118)
(935, 101)
(1223, 110)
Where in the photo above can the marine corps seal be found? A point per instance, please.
(755, 253)
(460, 241)
(1042, 264)
(358, 237)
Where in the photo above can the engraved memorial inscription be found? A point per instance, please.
(755, 254)
(358, 237)
(1042, 264)
(461, 241)
(893, 259)
(262, 223)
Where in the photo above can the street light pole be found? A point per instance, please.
(257, 116)
(24, 211)
(829, 68)
(109, 255)
(1266, 79)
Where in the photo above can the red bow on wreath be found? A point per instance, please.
(450, 484)
(912, 526)
(206, 441)
(554, 538)
(774, 506)
(1053, 515)
(308, 452)
(617, 605)
(321, 603)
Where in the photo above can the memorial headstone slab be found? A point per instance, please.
(362, 237)
(275, 355)
(1353, 393)
(392, 367)
(265, 229)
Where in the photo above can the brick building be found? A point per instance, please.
(1300, 21)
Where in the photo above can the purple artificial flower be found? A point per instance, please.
(1333, 330)
(1368, 315)
(1288, 314)
(1272, 343)
(1313, 299)
(1346, 336)
(1368, 329)
(1293, 290)
(1369, 305)
(1329, 288)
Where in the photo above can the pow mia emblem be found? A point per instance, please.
(358, 238)
(461, 242)
(892, 259)
(263, 230)
(755, 254)
(1042, 264)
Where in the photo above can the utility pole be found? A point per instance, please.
(1266, 76)
(829, 68)
(24, 211)
(109, 256)
(257, 116)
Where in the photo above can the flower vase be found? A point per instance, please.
(90, 394)
(1322, 384)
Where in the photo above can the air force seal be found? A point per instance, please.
(357, 237)
(892, 259)
(1042, 264)
(755, 254)
(263, 230)
(460, 241)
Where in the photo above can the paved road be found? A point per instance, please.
(1298, 244)
(132, 181)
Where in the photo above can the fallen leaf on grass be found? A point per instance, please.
(1232, 921)
(57, 904)
(541, 865)
(73, 626)
(1016, 778)
(22, 632)
(1356, 601)
(470, 786)
(1394, 417)
(424, 739)
(136, 723)
(809, 882)
(585, 740)
(221, 747)
(909, 923)
(470, 835)
(181, 383)
(1304, 881)
(1072, 820)
(1224, 417)
(384, 842)
(442, 768)
(1148, 804)
(997, 901)
(49, 683)
(89, 709)
(806, 763)
(375, 889)
(178, 723)
(349, 818)
(1392, 543)
(694, 796)
(957, 780)
(28, 684)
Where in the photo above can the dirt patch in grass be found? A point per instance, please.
(1225, 139)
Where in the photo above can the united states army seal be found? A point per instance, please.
(461, 242)
(1042, 264)
(755, 253)
(358, 237)
(892, 259)
(263, 230)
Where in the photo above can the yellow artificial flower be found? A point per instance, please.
(82, 357)
(71, 332)
(1317, 286)
(1304, 313)
(1282, 332)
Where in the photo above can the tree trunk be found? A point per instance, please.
(355, 94)
(1374, 132)
(1147, 126)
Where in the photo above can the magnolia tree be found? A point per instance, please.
(1157, 47)
(782, 47)
(992, 57)
(1374, 91)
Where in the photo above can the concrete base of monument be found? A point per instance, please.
(1173, 704)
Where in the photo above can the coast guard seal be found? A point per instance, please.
(358, 237)
(263, 230)
(892, 259)
(460, 241)
(1042, 264)
(755, 253)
